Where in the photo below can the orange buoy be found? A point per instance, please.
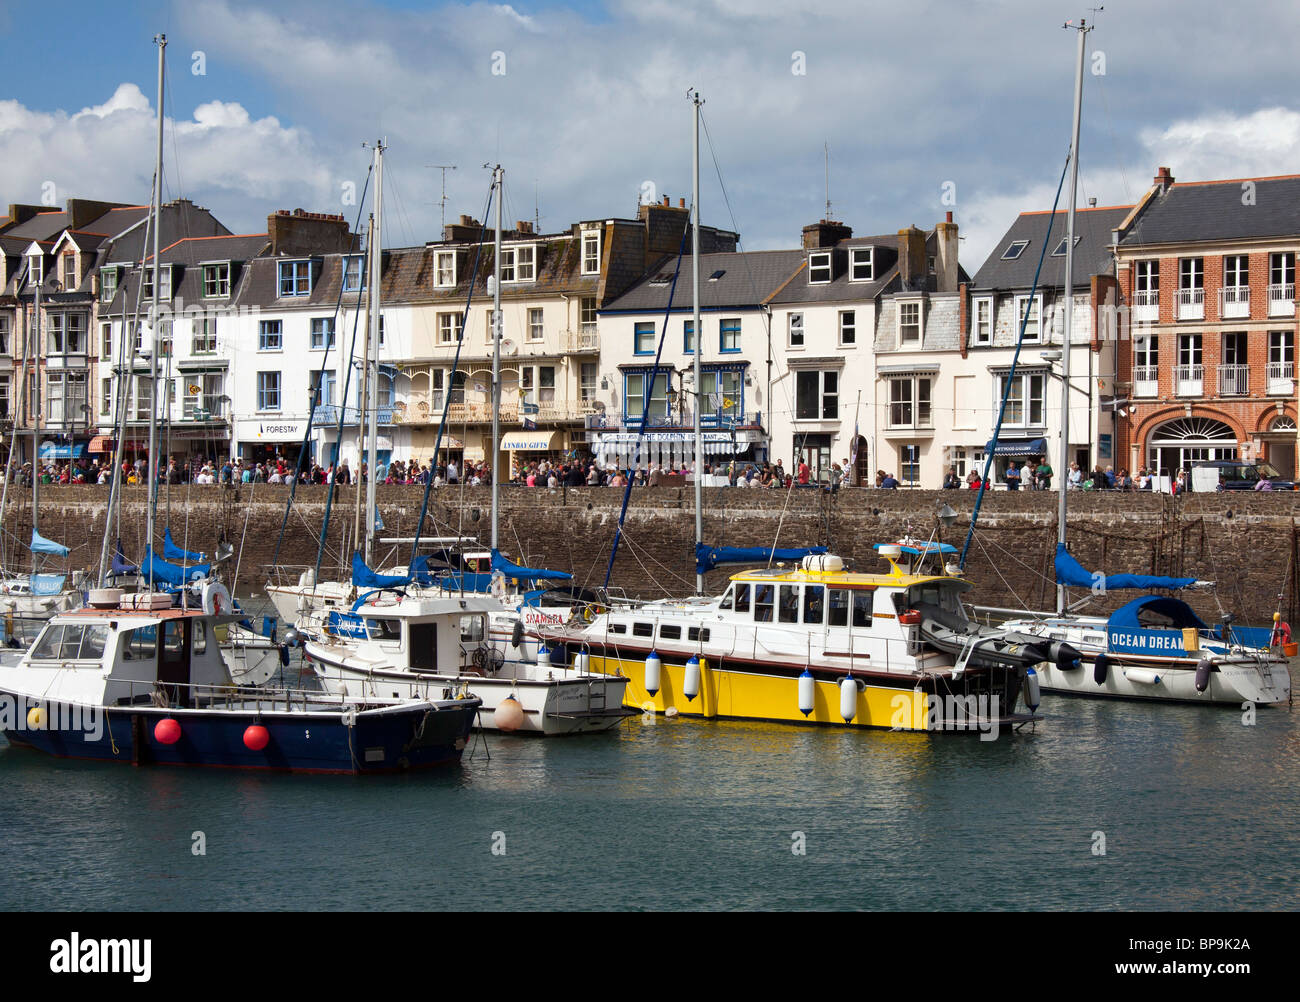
(167, 731)
(509, 714)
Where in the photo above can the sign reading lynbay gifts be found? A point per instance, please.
(271, 430)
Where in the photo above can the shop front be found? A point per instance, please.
(258, 441)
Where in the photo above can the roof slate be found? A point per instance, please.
(1219, 210)
(1092, 256)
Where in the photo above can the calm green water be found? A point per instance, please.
(1197, 810)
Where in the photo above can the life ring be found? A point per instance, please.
(216, 599)
(1282, 633)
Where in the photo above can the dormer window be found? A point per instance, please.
(444, 275)
(107, 284)
(518, 264)
(352, 274)
(295, 278)
(216, 280)
(69, 272)
(36, 269)
(909, 323)
(1014, 250)
(591, 252)
(862, 264)
(165, 282)
(819, 268)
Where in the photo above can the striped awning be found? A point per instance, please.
(668, 449)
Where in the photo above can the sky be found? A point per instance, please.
(926, 107)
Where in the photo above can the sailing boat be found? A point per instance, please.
(1154, 647)
(399, 640)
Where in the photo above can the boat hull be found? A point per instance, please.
(902, 703)
(580, 704)
(391, 739)
(1229, 684)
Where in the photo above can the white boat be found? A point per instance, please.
(406, 647)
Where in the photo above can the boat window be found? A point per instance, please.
(199, 638)
(48, 645)
(385, 629)
(814, 604)
(472, 629)
(695, 635)
(862, 608)
(726, 599)
(839, 607)
(670, 633)
(617, 627)
(934, 594)
(173, 636)
(789, 612)
(742, 598)
(140, 644)
(764, 597)
(643, 630)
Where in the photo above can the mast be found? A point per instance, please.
(36, 414)
(365, 367)
(1067, 341)
(372, 374)
(151, 473)
(699, 335)
(498, 180)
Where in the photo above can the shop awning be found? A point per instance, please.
(666, 448)
(50, 450)
(1017, 447)
(528, 441)
(101, 443)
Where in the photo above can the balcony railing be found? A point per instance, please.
(1234, 380)
(1234, 301)
(328, 414)
(1146, 380)
(1189, 380)
(1191, 304)
(1146, 306)
(1281, 376)
(1281, 300)
(582, 340)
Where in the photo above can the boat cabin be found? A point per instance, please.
(419, 634)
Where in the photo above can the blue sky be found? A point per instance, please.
(917, 101)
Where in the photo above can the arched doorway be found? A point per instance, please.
(1279, 446)
(1176, 445)
(860, 475)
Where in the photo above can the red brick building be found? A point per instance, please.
(1205, 364)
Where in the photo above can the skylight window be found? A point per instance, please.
(717, 274)
(1060, 248)
(1016, 248)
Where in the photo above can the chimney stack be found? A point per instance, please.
(945, 266)
(823, 234)
(1163, 178)
(911, 257)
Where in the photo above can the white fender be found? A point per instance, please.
(216, 599)
(849, 698)
(807, 692)
(691, 682)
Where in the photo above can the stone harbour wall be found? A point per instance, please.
(1246, 542)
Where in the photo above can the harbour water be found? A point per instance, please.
(1105, 805)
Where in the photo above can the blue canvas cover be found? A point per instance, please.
(173, 552)
(500, 563)
(708, 557)
(1071, 573)
(47, 584)
(364, 577)
(170, 574)
(47, 546)
(120, 565)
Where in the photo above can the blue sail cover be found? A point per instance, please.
(173, 552)
(42, 545)
(1071, 573)
(46, 584)
(500, 563)
(120, 565)
(708, 557)
(1125, 633)
(364, 577)
(169, 574)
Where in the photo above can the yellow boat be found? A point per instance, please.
(818, 644)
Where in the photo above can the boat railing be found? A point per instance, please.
(989, 612)
(195, 696)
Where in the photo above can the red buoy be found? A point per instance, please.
(256, 737)
(167, 731)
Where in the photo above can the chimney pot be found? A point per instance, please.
(681, 203)
(667, 200)
(948, 218)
